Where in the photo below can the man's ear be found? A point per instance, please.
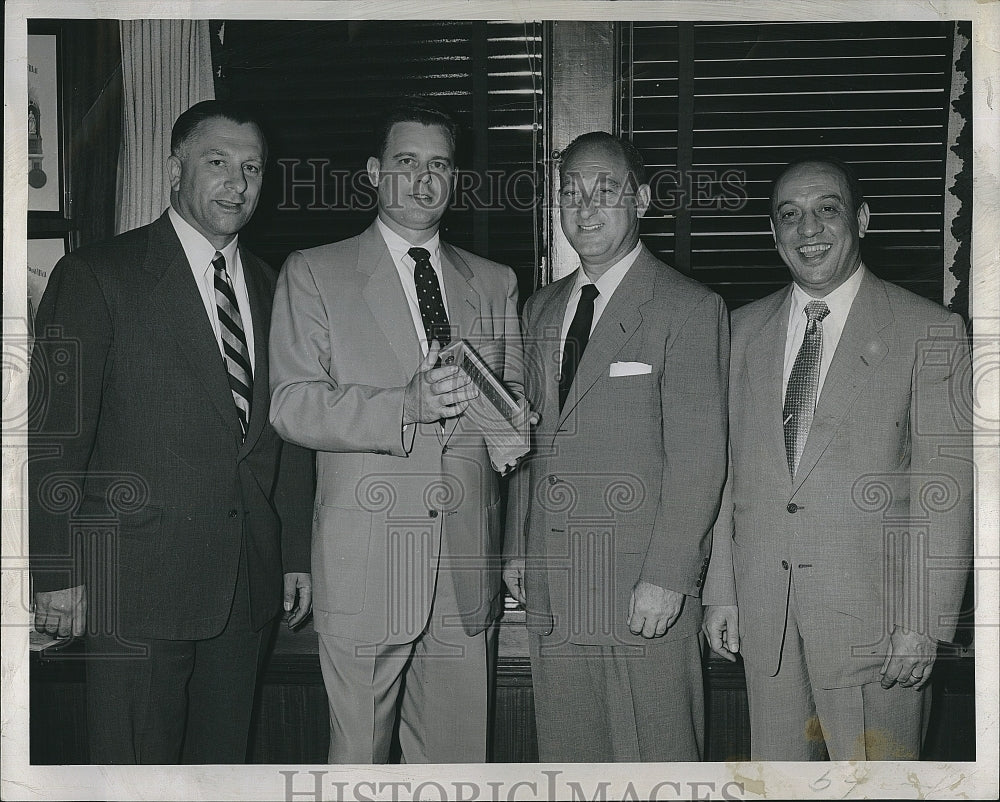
(770, 222)
(174, 170)
(864, 215)
(373, 167)
(643, 197)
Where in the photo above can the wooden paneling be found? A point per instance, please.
(291, 724)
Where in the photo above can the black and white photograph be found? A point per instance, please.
(707, 508)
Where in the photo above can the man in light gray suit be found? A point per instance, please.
(406, 533)
(609, 520)
(841, 551)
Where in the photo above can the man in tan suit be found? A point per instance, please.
(609, 521)
(841, 552)
(406, 534)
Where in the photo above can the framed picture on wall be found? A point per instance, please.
(44, 125)
(43, 253)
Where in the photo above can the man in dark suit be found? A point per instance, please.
(609, 520)
(841, 552)
(161, 527)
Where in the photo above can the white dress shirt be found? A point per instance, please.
(839, 303)
(405, 266)
(200, 252)
(606, 286)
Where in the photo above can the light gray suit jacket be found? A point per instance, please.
(877, 524)
(343, 349)
(623, 484)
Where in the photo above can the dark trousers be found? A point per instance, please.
(175, 701)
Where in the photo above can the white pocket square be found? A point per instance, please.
(629, 369)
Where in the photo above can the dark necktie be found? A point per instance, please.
(234, 341)
(432, 311)
(803, 385)
(576, 340)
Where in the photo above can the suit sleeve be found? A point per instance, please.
(518, 486)
(693, 392)
(294, 491)
(70, 358)
(310, 406)
(941, 482)
(720, 581)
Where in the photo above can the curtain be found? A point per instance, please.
(166, 68)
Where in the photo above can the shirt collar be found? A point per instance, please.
(839, 301)
(198, 250)
(608, 282)
(398, 246)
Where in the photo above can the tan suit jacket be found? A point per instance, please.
(623, 484)
(389, 503)
(876, 526)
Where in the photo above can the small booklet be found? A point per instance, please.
(501, 418)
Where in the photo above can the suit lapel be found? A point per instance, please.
(546, 331)
(178, 308)
(464, 312)
(860, 351)
(619, 321)
(260, 313)
(384, 295)
(764, 362)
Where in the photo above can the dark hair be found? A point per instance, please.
(186, 125)
(633, 159)
(857, 196)
(414, 110)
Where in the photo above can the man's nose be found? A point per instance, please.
(810, 225)
(236, 180)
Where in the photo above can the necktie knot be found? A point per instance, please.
(816, 311)
(219, 263)
(419, 255)
(589, 292)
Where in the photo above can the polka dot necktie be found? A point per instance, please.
(803, 385)
(234, 341)
(432, 311)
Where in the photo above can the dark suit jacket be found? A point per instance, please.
(136, 434)
(624, 483)
(877, 524)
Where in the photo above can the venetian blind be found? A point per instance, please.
(730, 103)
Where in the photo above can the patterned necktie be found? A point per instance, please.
(432, 310)
(576, 340)
(803, 385)
(234, 341)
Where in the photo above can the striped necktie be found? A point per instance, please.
(803, 385)
(234, 341)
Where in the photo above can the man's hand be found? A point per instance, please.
(436, 393)
(513, 575)
(721, 626)
(652, 610)
(524, 412)
(61, 613)
(910, 659)
(300, 585)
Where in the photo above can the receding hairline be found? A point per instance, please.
(852, 199)
(607, 147)
(185, 142)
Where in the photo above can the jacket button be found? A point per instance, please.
(792, 508)
(697, 584)
(233, 513)
(784, 564)
(553, 479)
(432, 513)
